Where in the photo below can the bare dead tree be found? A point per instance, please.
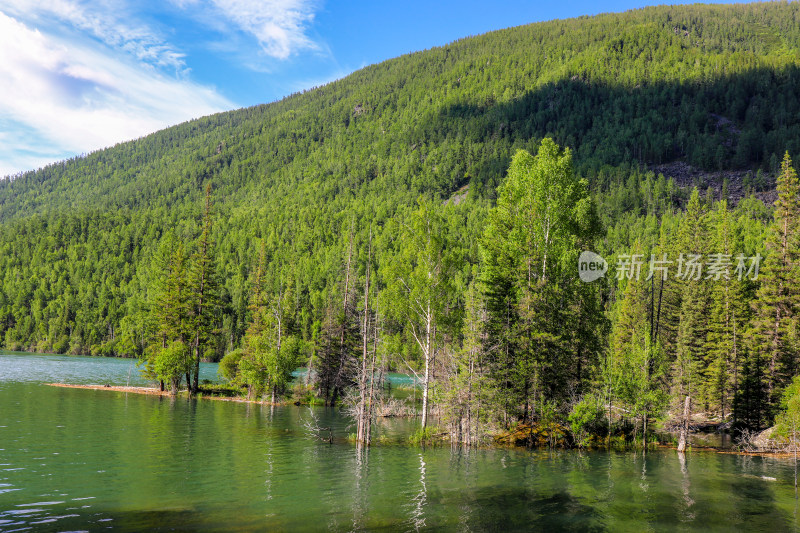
(337, 365)
(315, 431)
(684, 425)
(362, 414)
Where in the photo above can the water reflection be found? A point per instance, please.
(360, 505)
(644, 485)
(148, 462)
(420, 499)
(687, 513)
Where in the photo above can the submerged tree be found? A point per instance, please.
(464, 382)
(270, 353)
(336, 368)
(366, 378)
(420, 285)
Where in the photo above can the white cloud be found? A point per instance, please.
(64, 96)
(110, 22)
(279, 26)
(80, 75)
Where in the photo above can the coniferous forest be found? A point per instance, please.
(427, 215)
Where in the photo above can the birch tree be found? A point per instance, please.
(420, 285)
(530, 248)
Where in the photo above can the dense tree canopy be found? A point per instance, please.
(311, 190)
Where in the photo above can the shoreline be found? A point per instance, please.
(153, 391)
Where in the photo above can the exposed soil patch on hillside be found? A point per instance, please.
(685, 175)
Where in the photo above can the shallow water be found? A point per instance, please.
(74, 459)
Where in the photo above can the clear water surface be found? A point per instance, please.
(91, 460)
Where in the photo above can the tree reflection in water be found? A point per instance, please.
(417, 520)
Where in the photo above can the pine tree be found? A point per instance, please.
(751, 402)
(168, 356)
(635, 364)
(775, 307)
(690, 344)
(728, 315)
(205, 287)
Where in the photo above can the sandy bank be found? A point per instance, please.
(152, 391)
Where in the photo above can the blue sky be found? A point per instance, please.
(80, 75)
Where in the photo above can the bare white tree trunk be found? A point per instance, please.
(362, 411)
(684, 425)
(426, 379)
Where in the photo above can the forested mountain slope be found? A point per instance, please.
(714, 86)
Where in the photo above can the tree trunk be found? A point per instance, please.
(309, 369)
(425, 395)
(794, 449)
(195, 386)
(345, 308)
(370, 396)
(644, 431)
(362, 425)
(684, 425)
(468, 432)
(426, 379)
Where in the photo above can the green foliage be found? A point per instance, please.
(583, 417)
(111, 254)
(268, 355)
(788, 421)
(650, 85)
(253, 373)
(170, 364)
(751, 402)
(229, 365)
(424, 436)
(540, 317)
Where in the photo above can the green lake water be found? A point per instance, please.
(88, 460)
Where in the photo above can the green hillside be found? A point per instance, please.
(622, 90)
(711, 86)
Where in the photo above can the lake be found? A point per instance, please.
(75, 459)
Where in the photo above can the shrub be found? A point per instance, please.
(423, 436)
(583, 416)
(229, 365)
